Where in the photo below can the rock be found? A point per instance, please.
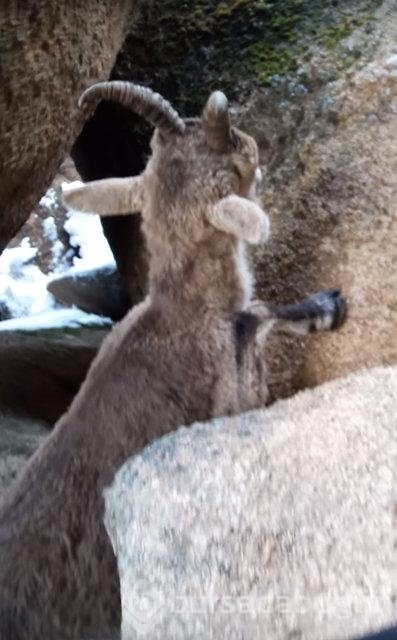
(19, 439)
(98, 291)
(41, 371)
(67, 172)
(285, 513)
(330, 189)
(49, 56)
(391, 62)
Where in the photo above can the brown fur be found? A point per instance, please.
(173, 360)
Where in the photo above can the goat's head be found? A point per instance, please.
(195, 163)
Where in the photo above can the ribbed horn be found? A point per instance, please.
(216, 121)
(145, 102)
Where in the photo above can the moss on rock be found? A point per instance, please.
(184, 49)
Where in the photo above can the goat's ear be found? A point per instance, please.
(241, 218)
(110, 197)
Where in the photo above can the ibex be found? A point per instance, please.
(191, 351)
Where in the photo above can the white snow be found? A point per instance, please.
(86, 233)
(60, 259)
(57, 251)
(49, 229)
(54, 319)
(49, 199)
(23, 286)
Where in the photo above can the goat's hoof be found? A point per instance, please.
(334, 309)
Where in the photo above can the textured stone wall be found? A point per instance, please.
(50, 52)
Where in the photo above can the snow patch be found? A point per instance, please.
(56, 319)
(49, 200)
(49, 229)
(23, 286)
(86, 234)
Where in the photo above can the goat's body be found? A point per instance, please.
(161, 367)
(147, 379)
(191, 352)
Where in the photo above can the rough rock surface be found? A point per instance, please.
(50, 53)
(98, 291)
(328, 147)
(292, 504)
(41, 371)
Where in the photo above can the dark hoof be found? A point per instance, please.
(333, 309)
(340, 313)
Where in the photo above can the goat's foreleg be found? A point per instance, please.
(108, 197)
(323, 311)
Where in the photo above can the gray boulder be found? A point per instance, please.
(41, 371)
(275, 524)
(98, 291)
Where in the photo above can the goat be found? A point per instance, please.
(191, 351)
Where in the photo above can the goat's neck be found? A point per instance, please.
(217, 281)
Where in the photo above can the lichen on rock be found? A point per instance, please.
(185, 49)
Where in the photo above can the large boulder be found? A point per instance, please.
(328, 148)
(98, 291)
(41, 371)
(273, 524)
(50, 52)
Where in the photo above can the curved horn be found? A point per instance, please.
(145, 102)
(216, 121)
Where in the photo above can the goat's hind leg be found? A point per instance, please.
(323, 311)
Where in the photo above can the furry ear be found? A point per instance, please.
(110, 197)
(241, 218)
